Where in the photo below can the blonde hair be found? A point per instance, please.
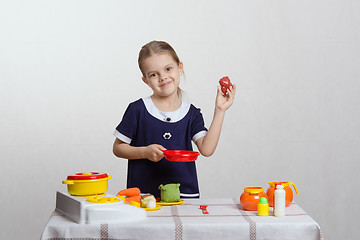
(156, 47)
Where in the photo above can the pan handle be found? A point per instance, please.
(69, 182)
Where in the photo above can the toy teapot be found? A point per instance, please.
(289, 193)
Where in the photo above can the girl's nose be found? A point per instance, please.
(163, 77)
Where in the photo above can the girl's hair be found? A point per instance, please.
(157, 47)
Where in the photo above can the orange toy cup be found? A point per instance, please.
(288, 192)
(249, 199)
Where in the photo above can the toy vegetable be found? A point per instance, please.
(129, 192)
(225, 84)
(133, 198)
(170, 192)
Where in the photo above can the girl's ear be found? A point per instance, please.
(181, 67)
(145, 80)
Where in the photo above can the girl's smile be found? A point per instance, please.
(166, 84)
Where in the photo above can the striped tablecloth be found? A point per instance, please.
(226, 220)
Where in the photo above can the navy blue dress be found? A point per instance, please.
(143, 124)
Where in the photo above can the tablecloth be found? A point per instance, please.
(226, 220)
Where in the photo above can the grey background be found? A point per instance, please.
(68, 69)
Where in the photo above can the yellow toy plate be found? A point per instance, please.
(158, 206)
(171, 203)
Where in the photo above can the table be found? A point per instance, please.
(226, 220)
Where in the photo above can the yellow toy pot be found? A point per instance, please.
(87, 183)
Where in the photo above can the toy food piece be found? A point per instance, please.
(130, 192)
(133, 198)
(148, 201)
(170, 192)
(225, 84)
(129, 199)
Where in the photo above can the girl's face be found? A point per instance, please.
(162, 74)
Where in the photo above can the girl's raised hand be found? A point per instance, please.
(223, 102)
(153, 152)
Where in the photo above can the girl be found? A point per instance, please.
(163, 121)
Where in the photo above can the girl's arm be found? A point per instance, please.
(207, 144)
(151, 152)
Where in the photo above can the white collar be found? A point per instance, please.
(174, 116)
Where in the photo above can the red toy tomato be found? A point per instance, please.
(225, 84)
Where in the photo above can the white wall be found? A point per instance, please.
(68, 69)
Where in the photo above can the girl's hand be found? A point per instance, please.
(153, 152)
(223, 102)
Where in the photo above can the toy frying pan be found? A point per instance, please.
(180, 155)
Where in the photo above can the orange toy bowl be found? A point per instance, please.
(249, 199)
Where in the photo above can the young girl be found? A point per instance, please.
(163, 121)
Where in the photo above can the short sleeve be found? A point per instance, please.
(126, 130)
(198, 128)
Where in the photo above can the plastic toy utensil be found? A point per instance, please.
(204, 210)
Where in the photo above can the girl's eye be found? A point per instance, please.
(152, 75)
(168, 69)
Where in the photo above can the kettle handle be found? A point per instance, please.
(294, 187)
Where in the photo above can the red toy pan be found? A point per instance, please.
(180, 155)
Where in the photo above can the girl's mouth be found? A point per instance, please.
(166, 84)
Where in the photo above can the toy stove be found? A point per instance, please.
(103, 208)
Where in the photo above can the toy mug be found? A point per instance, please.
(289, 193)
(249, 199)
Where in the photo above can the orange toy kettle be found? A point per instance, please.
(249, 199)
(289, 193)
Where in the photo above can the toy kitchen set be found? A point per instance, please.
(87, 202)
(88, 212)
